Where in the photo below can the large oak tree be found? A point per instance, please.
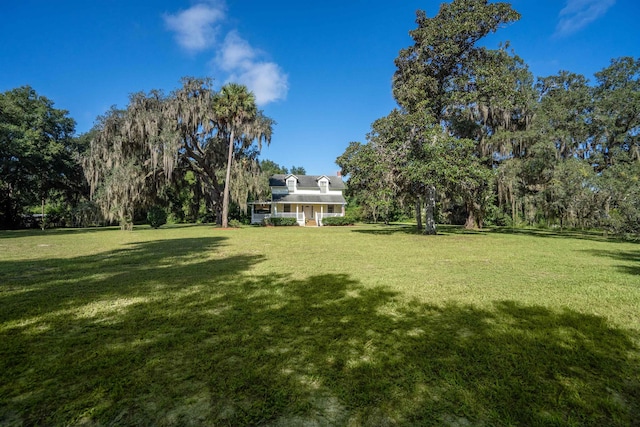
(440, 76)
(37, 154)
(138, 150)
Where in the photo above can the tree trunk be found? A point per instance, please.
(471, 220)
(474, 216)
(419, 213)
(430, 202)
(225, 197)
(514, 213)
(43, 223)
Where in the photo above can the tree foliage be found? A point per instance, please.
(432, 72)
(406, 159)
(298, 170)
(156, 216)
(616, 117)
(37, 155)
(269, 167)
(158, 139)
(477, 132)
(239, 122)
(580, 139)
(450, 91)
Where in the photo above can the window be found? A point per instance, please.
(291, 185)
(287, 208)
(329, 208)
(324, 185)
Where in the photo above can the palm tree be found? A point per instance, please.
(238, 118)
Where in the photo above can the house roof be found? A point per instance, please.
(307, 181)
(322, 199)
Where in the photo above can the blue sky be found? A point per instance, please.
(321, 69)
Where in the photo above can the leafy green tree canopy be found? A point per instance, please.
(37, 153)
(438, 84)
(444, 49)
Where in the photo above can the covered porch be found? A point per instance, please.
(306, 214)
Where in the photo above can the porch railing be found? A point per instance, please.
(300, 217)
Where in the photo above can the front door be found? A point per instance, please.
(308, 212)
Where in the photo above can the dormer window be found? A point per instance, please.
(323, 183)
(291, 184)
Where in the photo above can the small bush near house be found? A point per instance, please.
(156, 217)
(280, 221)
(338, 220)
(234, 223)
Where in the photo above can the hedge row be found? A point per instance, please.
(337, 220)
(279, 221)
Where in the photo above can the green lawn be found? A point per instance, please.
(367, 325)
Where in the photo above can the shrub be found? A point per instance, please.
(279, 221)
(338, 220)
(156, 216)
(356, 213)
(497, 217)
(208, 217)
(58, 216)
(234, 223)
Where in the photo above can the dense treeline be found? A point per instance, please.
(476, 139)
(193, 153)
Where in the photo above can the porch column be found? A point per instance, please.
(321, 212)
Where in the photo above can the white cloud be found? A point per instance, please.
(195, 28)
(577, 14)
(235, 53)
(265, 79)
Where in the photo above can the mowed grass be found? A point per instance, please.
(367, 325)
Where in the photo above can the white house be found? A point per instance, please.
(308, 198)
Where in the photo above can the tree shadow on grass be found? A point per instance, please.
(208, 343)
(36, 232)
(442, 230)
(41, 286)
(386, 229)
(445, 230)
(630, 258)
(595, 236)
(21, 233)
(389, 229)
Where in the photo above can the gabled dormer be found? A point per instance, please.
(292, 183)
(323, 183)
